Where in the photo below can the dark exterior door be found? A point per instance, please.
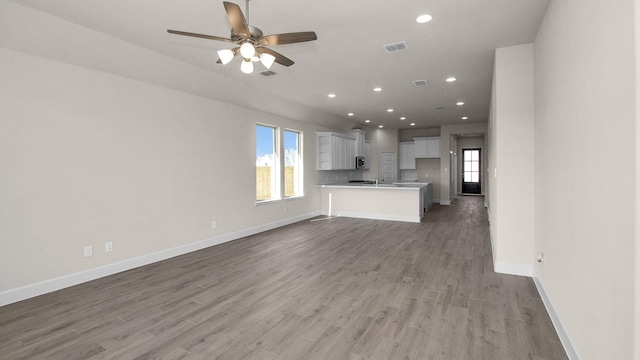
(471, 174)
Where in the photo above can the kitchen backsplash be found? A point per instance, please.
(326, 177)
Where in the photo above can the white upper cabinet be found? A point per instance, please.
(367, 154)
(335, 151)
(407, 155)
(427, 147)
(359, 136)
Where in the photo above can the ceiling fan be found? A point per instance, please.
(252, 44)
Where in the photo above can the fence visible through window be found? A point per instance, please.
(263, 182)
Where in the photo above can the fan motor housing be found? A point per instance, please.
(256, 34)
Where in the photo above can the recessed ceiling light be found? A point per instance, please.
(331, 95)
(350, 114)
(424, 18)
(367, 121)
(377, 89)
(380, 126)
(460, 103)
(403, 118)
(451, 79)
(389, 110)
(465, 118)
(413, 124)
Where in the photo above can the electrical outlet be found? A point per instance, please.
(88, 251)
(214, 224)
(108, 246)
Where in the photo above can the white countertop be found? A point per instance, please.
(392, 186)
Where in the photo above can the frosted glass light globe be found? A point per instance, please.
(267, 60)
(226, 56)
(246, 66)
(247, 50)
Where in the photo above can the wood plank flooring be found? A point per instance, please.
(340, 288)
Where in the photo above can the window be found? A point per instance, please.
(293, 178)
(471, 159)
(271, 167)
(267, 163)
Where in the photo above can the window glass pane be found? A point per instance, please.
(266, 163)
(475, 166)
(292, 163)
(467, 176)
(475, 177)
(475, 155)
(467, 166)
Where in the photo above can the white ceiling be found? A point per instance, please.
(348, 58)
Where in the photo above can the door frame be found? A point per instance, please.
(480, 176)
(395, 164)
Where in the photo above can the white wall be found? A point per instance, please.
(382, 140)
(89, 156)
(586, 181)
(511, 172)
(637, 186)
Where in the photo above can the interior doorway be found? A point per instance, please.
(387, 167)
(471, 174)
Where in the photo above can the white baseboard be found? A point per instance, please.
(413, 219)
(436, 201)
(562, 334)
(513, 269)
(47, 286)
(445, 202)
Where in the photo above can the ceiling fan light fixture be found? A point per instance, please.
(267, 60)
(226, 56)
(251, 41)
(246, 66)
(247, 50)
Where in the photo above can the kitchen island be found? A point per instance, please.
(397, 201)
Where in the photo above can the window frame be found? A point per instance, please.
(276, 181)
(299, 175)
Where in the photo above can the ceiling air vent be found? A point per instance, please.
(267, 73)
(396, 47)
(420, 82)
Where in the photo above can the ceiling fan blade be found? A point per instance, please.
(288, 38)
(280, 59)
(210, 37)
(237, 20)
